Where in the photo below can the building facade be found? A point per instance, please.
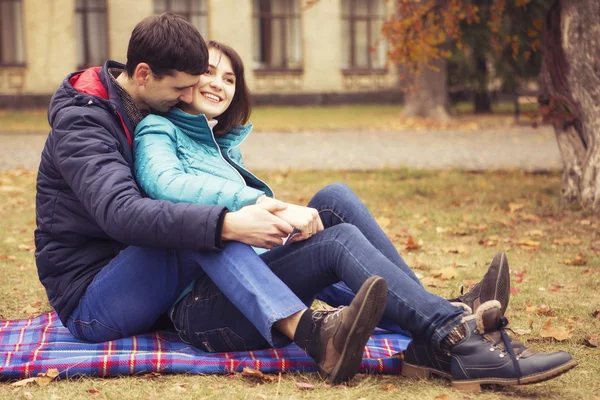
(328, 52)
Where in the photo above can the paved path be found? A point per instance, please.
(523, 148)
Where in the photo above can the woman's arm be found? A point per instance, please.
(161, 174)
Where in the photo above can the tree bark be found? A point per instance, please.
(430, 99)
(482, 102)
(570, 78)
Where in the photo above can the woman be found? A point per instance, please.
(192, 155)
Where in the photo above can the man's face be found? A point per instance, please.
(162, 94)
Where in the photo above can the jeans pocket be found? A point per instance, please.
(218, 341)
(179, 316)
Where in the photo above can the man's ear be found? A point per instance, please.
(142, 74)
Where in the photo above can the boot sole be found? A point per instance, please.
(475, 385)
(418, 372)
(369, 315)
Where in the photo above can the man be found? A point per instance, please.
(113, 262)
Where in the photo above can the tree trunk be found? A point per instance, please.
(430, 99)
(482, 102)
(570, 77)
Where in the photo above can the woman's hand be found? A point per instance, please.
(304, 219)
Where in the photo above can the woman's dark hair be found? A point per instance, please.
(167, 43)
(238, 112)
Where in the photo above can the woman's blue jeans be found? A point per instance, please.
(238, 295)
(350, 249)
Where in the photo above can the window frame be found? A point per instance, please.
(268, 67)
(188, 14)
(13, 36)
(85, 11)
(352, 20)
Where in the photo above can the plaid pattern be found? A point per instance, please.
(134, 114)
(29, 347)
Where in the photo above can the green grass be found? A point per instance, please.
(445, 210)
(310, 118)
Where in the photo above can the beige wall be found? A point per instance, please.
(50, 46)
(122, 18)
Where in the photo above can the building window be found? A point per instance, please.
(277, 34)
(11, 33)
(92, 28)
(364, 47)
(195, 11)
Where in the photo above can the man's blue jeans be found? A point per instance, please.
(350, 249)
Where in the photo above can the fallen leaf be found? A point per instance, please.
(514, 290)
(151, 375)
(528, 243)
(536, 233)
(592, 341)
(445, 273)
(559, 333)
(442, 397)
(455, 250)
(504, 222)
(514, 207)
(567, 241)
(542, 309)
(579, 260)
(432, 282)
(389, 387)
(529, 218)
(441, 230)
(596, 314)
(585, 222)
(412, 244)
(23, 382)
(305, 386)
(255, 374)
(522, 332)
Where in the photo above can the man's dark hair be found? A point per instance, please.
(240, 108)
(167, 43)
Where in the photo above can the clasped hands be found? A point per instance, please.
(270, 222)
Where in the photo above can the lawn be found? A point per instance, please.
(459, 219)
(318, 118)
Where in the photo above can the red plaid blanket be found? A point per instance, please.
(32, 346)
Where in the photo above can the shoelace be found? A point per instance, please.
(508, 345)
(325, 314)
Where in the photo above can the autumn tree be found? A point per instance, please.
(420, 32)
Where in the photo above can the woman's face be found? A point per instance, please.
(216, 88)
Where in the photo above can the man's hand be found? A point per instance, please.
(257, 225)
(305, 219)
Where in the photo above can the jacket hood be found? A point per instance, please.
(196, 126)
(89, 87)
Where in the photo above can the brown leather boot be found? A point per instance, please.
(344, 332)
(495, 285)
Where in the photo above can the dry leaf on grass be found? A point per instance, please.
(305, 386)
(515, 290)
(444, 274)
(567, 241)
(442, 397)
(592, 341)
(521, 332)
(43, 378)
(542, 309)
(455, 250)
(389, 387)
(527, 244)
(412, 244)
(514, 207)
(558, 333)
(256, 374)
(536, 233)
(504, 222)
(430, 281)
(529, 218)
(579, 260)
(596, 314)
